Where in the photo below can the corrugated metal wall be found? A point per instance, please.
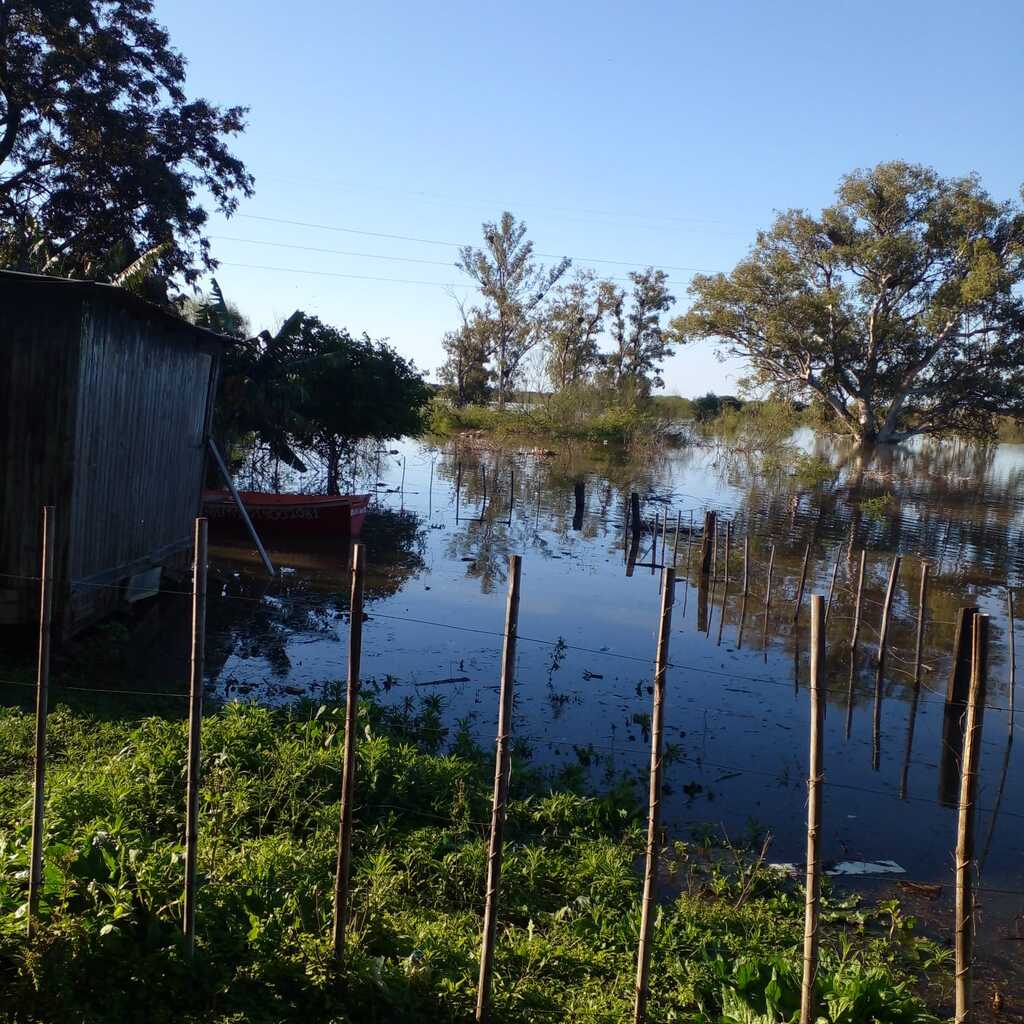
(103, 413)
(38, 378)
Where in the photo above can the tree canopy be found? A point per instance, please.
(103, 156)
(899, 307)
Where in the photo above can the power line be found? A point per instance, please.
(353, 277)
(459, 245)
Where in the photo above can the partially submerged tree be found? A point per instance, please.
(899, 307)
(574, 320)
(513, 288)
(640, 343)
(103, 157)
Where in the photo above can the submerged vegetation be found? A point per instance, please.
(727, 945)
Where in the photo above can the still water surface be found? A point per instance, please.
(736, 715)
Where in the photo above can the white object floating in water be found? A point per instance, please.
(845, 867)
(865, 867)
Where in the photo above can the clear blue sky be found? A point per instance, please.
(661, 133)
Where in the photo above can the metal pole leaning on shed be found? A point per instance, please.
(814, 780)
(964, 910)
(343, 866)
(643, 964)
(195, 719)
(502, 772)
(35, 871)
(242, 510)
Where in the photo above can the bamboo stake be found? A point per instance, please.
(343, 865)
(876, 732)
(643, 965)
(831, 589)
(767, 601)
(195, 719)
(689, 542)
(803, 583)
(35, 872)
(1012, 681)
(853, 639)
(922, 599)
(502, 770)
(814, 780)
(964, 913)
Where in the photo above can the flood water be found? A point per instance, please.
(737, 715)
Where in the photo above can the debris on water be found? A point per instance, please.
(295, 691)
(588, 675)
(443, 682)
(931, 892)
(844, 867)
(730, 775)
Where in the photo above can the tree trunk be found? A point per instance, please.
(333, 467)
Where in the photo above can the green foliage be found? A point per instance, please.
(899, 307)
(728, 948)
(877, 507)
(711, 406)
(103, 157)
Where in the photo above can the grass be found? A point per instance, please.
(727, 947)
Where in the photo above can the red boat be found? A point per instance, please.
(310, 514)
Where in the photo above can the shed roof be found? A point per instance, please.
(117, 296)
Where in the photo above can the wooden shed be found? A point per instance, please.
(105, 409)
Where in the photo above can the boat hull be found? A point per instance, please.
(294, 514)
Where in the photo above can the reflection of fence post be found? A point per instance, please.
(343, 865)
(643, 965)
(964, 913)
(35, 871)
(803, 583)
(502, 771)
(195, 719)
(814, 780)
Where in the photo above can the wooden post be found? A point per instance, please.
(725, 583)
(643, 961)
(689, 541)
(35, 871)
(343, 863)
(511, 493)
(831, 589)
(502, 770)
(195, 719)
(675, 546)
(634, 511)
(803, 583)
(707, 543)
(458, 488)
(922, 601)
(1012, 681)
(853, 639)
(746, 565)
(876, 730)
(960, 672)
(767, 601)
(483, 479)
(664, 538)
(654, 543)
(964, 912)
(814, 780)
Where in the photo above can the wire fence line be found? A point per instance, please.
(350, 803)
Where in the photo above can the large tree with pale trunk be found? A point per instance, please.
(899, 307)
